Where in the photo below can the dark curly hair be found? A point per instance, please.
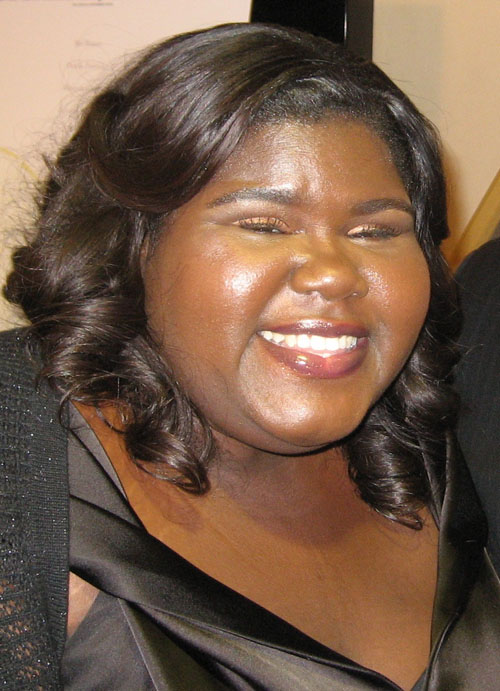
(146, 145)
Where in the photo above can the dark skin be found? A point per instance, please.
(283, 524)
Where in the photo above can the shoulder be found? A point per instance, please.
(488, 255)
(27, 404)
(13, 349)
(478, 277)
(477, 379)
(32, 439)
(34, 507)
(19, 364)
(478, 282)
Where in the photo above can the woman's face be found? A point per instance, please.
(288, 294)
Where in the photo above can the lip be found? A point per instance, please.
(338, 364)
(317, 327)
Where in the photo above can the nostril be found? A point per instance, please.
(333, 277)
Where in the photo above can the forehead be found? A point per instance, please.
(333, 154)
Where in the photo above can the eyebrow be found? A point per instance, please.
(372, 206)
(280, 195)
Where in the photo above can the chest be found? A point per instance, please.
(319, 559)
(366, 593)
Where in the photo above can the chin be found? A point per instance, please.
(298, 428)
(297, 441)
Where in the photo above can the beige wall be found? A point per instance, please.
(52, 55)
(444, 53)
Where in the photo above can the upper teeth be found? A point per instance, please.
(323, 346)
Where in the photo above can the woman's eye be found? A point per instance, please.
(374, 232)
(263, 224)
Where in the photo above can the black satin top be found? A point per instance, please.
(161, 623)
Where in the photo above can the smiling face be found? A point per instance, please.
(289, 292)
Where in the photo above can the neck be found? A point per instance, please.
(304, 496)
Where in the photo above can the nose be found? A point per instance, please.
(328, 269)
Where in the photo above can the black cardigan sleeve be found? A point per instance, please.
(34, 509)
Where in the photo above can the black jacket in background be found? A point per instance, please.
(478, 380)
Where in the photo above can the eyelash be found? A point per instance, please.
(263, 224)
(273, 225)
(375, 232)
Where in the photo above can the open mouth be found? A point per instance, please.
(312, 344)
(310, 354)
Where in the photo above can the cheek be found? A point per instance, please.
(204, 312)
(237, 284)
(415, 288)
(403, 290)
(231, 293)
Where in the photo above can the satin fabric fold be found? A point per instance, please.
(193, 609)
(181, 625)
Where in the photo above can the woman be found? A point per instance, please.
(236, 290)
